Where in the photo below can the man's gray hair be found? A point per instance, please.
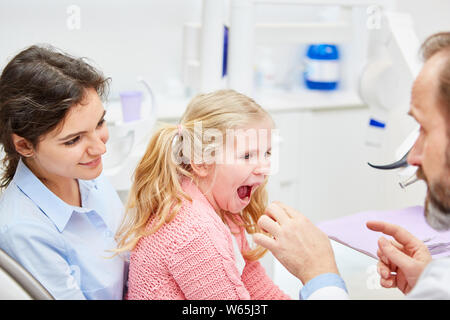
(435, 43)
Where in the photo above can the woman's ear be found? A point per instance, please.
(202, 170)
(23, 146)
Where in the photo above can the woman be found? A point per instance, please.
(58, 215)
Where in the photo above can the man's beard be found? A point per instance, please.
(437, 203)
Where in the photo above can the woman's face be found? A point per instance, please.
(74, 149)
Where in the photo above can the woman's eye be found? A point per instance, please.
(72, 142)
(247, 156)
(268, 154)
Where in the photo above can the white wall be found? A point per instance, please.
(138, 37)
(124, 38)
(430, 16)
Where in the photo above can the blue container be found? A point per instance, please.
(322, 67)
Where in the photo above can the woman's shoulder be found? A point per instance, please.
(15, 206)
(22, 220)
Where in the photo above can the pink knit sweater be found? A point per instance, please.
(192, 257)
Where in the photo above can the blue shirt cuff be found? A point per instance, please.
(321, 281)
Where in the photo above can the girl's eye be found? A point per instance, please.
(101, 123)
(72, 142)
(268, 154)
(247, 156)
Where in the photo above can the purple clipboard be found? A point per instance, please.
(352, 230)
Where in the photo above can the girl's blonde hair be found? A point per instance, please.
(156, 194)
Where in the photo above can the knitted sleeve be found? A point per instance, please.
(256, 280)
(254, 276)
(204, 266)
(259, 285)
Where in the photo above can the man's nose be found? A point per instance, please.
(415, 154)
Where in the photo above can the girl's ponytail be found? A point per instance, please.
(156, 192)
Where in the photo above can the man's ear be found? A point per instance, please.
(202, 170)
(23, 146)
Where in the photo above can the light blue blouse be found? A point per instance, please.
(63, 246)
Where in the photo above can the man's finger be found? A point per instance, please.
(290, 212)
(270, 226)
(382, 257)
(388, 283)
(396, 244)
(277, 213)
(264, 241)
(385, 260)
(384, 270)
(394, 255)
(402, 236)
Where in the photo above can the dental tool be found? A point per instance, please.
(408, 170)
(408, 181)
(400, 164)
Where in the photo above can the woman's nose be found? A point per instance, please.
(97, 146)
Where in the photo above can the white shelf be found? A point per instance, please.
(279, 101)
(275, 101)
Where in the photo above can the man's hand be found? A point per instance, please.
(296, 242)
(407, 256)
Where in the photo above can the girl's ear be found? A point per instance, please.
(23, 146)
(202, 170)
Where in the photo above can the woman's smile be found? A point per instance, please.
(94, 163)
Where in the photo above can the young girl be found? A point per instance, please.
(58, 215)
(198, 190)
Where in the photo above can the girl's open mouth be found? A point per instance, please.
(244, 192)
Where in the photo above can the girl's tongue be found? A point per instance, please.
(244, 192)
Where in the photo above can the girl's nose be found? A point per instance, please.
(263, 167)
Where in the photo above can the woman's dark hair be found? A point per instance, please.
(37, 88)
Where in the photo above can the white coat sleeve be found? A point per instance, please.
(434, 282)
